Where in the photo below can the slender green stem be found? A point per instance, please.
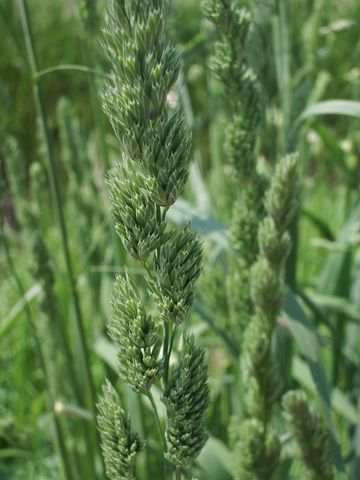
(166, 351)
(160, 431)
(144, 433)
(177, 473)
(158, 422)
(196, 178)
(88, 49)
(146, 266)
(25, 19)
(60, 442)
(55, 189)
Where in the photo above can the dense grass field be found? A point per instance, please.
(205, 158)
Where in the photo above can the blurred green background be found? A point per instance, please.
(305, 52)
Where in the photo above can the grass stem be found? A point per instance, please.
(55, 190)
(166, 353)
(158, 422)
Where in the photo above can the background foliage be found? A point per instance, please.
(304, 52)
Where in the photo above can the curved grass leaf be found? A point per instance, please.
(332, 107)
(336, 304)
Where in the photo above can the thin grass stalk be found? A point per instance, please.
(55, 189)
(94, 98)
(60, 444)
(167, 352)
(158, 421)
(144, 432)
(198, 185)
(87, 49)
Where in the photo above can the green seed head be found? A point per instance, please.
(281, 200)
(274, 246)
(138, 221)
(186, 398)
(310, 434)
(177, 265)
(257, 451)
(267, 289)
(120, 445)
(137, 336)
(144, 69)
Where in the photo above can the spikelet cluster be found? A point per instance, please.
(137, 336)
(177, 266)
(233, 25)
(311, 436)
(145, 67)
(267, 276)
(186, 398)
(120, 445)
(267, 293)
(138, 220)
(143, 184)
(260, 450)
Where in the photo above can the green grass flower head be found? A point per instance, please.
(186, 398)
(138, 221)
(137, 336)
(311, 436)
(177, 264)
(120, 445)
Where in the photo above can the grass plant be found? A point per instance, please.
(180, 281)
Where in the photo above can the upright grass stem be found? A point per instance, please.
(158, 422)
(166, 351)
(87, 49)
(160, 429)
(55, 190)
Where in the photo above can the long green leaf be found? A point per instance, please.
(332, 107)
(336, 304)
